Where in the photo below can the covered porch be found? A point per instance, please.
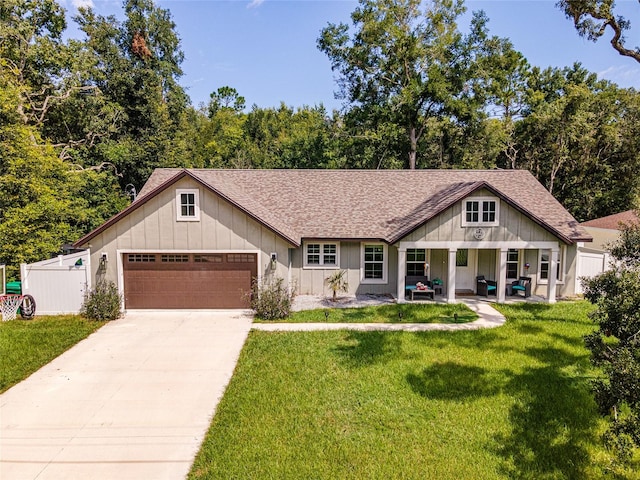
(456, 266)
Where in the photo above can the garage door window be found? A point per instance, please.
(175, 258)
(141, 258)
(240, 258)
(208, 258)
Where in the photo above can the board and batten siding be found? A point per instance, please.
(513, 226)
(312, 281)
(222, 227)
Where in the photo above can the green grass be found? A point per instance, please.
(393, 313)
(510, 402)
(27, 345)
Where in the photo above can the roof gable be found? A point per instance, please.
(361, 204)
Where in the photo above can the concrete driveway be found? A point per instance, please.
(132, 401)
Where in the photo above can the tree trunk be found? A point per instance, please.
(413, 152)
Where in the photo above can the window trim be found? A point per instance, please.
(385, 264)
(481, 211)
(519, 264)
(187, 218)
(415, 262)
(321, 265)
(561, 262)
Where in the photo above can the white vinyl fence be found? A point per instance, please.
(57, 285)
(590, 264)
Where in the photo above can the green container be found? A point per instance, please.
(14, 288)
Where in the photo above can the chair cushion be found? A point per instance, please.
(518, 287)
(491, 287)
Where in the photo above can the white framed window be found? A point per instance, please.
(374, 263)
(480, 211)
(513, 264)
(188, 205)
(322, 255)
(416, 260)
(544, 265)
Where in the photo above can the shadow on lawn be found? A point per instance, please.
(452, 381)
(552, 421)
(369, 348)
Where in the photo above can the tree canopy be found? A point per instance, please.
(84, 120)
(592, 18)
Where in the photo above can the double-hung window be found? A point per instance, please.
(544, 266)
(480, 211)
(374, 263)
(416, 260)
(188, 205)
(513, 262)
(321, 254)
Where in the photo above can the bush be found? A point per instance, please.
(271, 298)
(337, 283)
(102, 302)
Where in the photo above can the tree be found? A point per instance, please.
(407, 65)
(615, 345)
(226, 98)
(43, 204)
(135, 64)
(591, 19)
(578, 136)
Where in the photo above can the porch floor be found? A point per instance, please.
(480, 298)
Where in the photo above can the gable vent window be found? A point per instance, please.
(188, 205)
(480, 211)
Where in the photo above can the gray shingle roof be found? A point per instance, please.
(368, 204)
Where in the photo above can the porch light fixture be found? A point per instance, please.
(103, 260)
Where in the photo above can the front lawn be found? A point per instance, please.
(27, 345)
(391, 313)
(509, 402)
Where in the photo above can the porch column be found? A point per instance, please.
(402, 261)
(451, 276)
(501, 269)
(553, 275)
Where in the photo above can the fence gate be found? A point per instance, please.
(58, 285)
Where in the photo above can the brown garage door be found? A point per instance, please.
(212, 280)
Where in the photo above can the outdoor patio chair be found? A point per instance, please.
(523, 284)
(485, 287)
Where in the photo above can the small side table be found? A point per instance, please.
(437, 289)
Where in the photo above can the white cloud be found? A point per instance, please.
(623, 75)
(82, 3)
(255, 3)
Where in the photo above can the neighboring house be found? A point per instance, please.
(195, 238)
(606, 230)
(594, 258)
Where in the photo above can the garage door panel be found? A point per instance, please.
(178, 281)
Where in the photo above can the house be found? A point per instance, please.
(195, 238)
(593, 259)
(606, 230)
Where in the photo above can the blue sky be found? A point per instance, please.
(266, 49)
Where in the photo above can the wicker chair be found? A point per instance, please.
(523, 284)
(485, 287)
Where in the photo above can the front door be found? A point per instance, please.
(466, 265)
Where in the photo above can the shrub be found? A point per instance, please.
(102, 302)
(271, 298)
(337, 283)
